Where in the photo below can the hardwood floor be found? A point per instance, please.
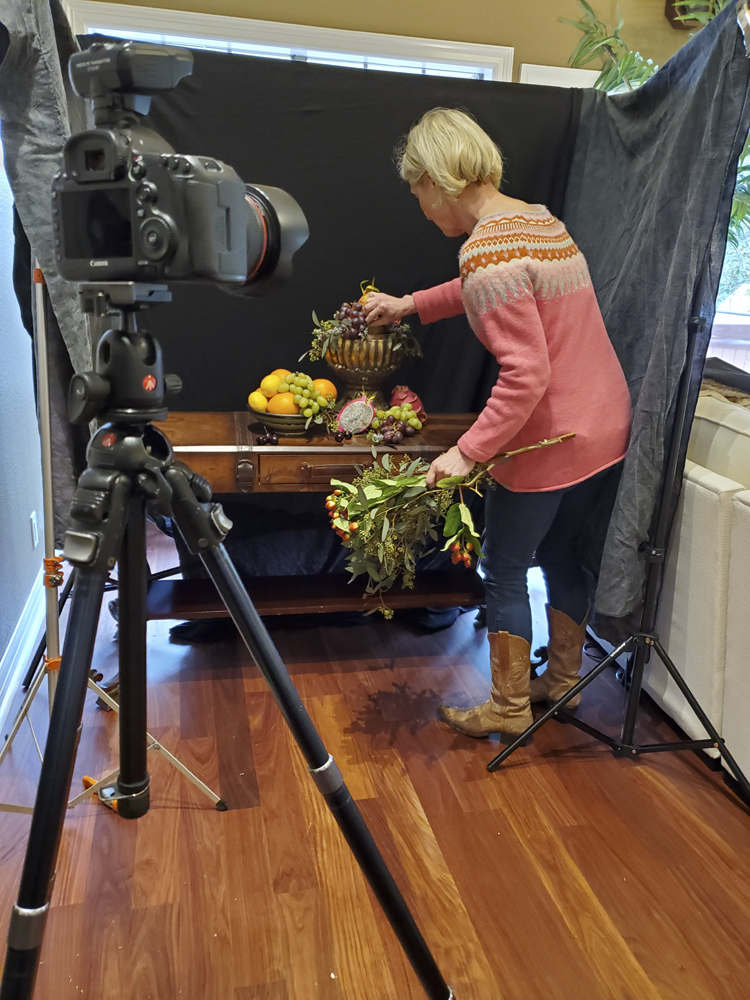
(567, 875)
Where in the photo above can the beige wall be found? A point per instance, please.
(530, 26)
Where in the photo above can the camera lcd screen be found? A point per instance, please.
(97, 223)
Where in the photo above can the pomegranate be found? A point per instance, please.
(403, 394)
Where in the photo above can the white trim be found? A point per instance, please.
(557, 76)
(87, 14)
(23, 642)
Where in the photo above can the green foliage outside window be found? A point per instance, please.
(623, 70)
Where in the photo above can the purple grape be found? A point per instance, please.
(388, 420)
(398, 437)
(409, 431)
(401, 425)
(388, 437)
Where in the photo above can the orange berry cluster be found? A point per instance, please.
(461, 554)
(332, 506)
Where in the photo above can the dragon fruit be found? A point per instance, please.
(403, 394)
(357, 415)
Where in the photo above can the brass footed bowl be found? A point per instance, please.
(363, 365)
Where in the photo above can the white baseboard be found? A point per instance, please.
(17, 656)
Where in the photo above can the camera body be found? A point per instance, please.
(126, 207)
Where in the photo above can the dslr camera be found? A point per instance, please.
(127, 208)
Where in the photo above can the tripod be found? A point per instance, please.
(641, 644)
(129, 464)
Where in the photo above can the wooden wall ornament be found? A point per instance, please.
(673, 13)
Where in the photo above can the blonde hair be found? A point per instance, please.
(449, 146)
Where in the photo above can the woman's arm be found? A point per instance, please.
(432, 304)
(504, 302)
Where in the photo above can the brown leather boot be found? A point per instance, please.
(507, 711)
(565, 653)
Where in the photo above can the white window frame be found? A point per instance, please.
(557, 76)
(85, 14)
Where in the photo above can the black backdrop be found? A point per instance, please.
(326, 135)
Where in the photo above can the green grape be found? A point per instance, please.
(322, 402)
(407, 406)
(308, 412)
(375, 424)
(306, 393)
(413, 422)
(288, 379)
(418, 425)
(315, 407)
(380, 414)
(298, 400)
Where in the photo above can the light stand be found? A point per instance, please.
(52, 563)
(130, 464)
(642, 643)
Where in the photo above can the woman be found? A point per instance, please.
(527, 293)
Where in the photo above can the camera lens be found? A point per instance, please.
(155, 238)
(276, 228)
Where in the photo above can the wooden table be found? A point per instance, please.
(223, 449)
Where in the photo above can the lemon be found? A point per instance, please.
(257, 401)
(270, 385)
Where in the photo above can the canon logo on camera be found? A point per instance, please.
(98, 263)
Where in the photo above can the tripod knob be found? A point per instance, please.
(172, 384)
(87, 394)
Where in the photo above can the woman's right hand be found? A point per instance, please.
(382, 309)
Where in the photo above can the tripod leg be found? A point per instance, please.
(30, 912)
(203, 527)
(133, 781)
(704, 719)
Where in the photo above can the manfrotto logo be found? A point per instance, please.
(98, 263)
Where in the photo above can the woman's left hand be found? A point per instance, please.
(452, 463)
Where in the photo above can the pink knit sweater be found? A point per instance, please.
(526, 291)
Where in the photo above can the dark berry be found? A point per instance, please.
(398, 437)
(339, 436)
(348, 435)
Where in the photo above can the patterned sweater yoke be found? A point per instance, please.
(517, 253)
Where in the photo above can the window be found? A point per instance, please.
(557, 76)
(274, 40)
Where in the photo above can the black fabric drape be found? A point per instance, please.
(648, 202)
(326, 135)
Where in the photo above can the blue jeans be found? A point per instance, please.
(518, 525)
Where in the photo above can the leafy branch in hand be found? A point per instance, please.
(388, 516)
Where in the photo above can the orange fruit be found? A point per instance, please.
(281, 372)
(282, 402)
(325, 387)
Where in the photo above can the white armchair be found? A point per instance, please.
(704, 609)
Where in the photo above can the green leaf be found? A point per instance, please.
(449, 481)
(466, 517)
(347, 487)
(316, 321)
(341, 523)
(386, 528)
(452, 520)
(386, 463)
(451, 540)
